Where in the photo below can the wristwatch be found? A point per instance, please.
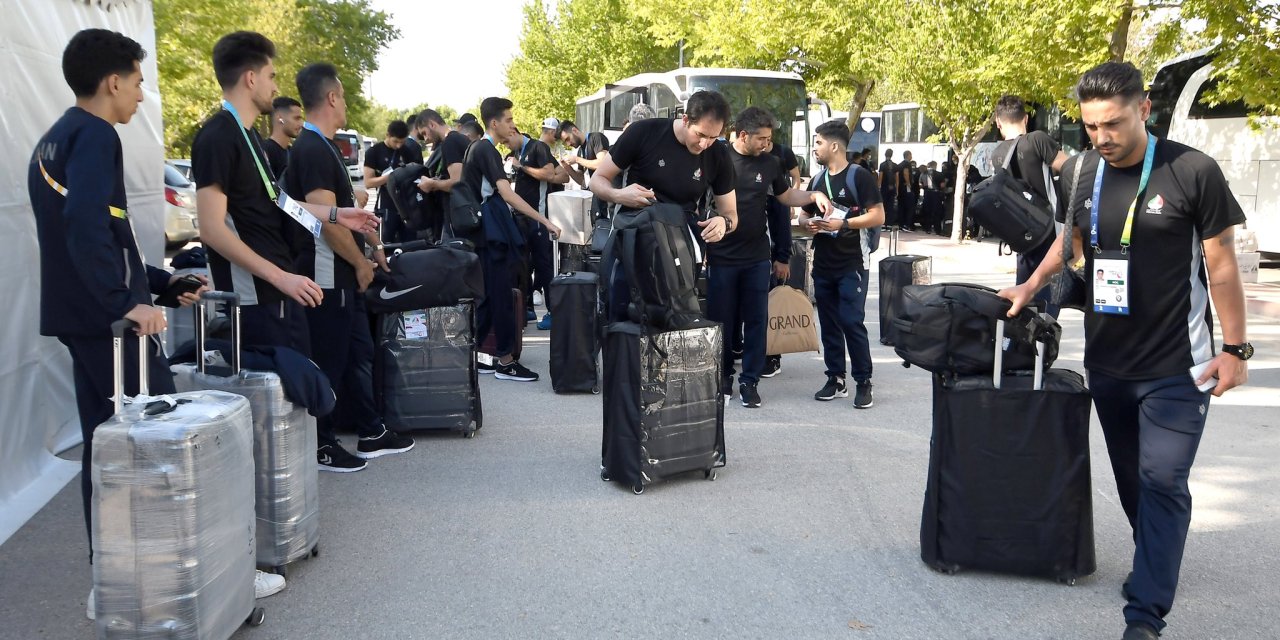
(377, 248)
(1242, 351)
(333, 215)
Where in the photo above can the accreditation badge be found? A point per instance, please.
(1111, 283)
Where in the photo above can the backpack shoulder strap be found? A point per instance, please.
(850, 182)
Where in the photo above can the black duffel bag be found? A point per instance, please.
(951, 329)
(1005, 205)
(435, 276)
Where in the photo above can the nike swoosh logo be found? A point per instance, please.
(386, 294)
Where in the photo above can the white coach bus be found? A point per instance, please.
(1249, 158)
(782, 94)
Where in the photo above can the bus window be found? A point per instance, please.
(1201, 109)
(590, 116)
(620, 109)
(664, 101)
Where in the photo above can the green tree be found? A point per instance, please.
(302, 30)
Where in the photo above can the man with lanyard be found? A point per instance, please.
(589, 151)
(245, 221)
(841, 261)
(499, 241)
(739, 269)
(1158, 221)
(673, 161)
(535, 171)
(379, 161)
(780, 237)
(286, 124)
(1034, 152)
(444, 168)
(341, 343)
(91, 270)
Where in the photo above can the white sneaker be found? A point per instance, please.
(537, 298)
(267, 584)
(91, 609)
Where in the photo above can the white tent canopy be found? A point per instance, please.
(37, 399)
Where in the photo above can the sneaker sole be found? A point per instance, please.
(839, 394)
(864, 406)
(370, 455)
(507, 376)
(269, 592)
(484, 371)
(770, 375)
(751, 406)
(342, 469)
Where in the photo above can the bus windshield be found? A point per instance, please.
(782, 97)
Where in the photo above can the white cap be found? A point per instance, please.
(550, 123)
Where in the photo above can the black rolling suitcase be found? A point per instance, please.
(896, 272)
(663, 412)
(572, 299)
(424, 374)
(1009, 488)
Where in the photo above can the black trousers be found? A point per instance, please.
(276, 324)
(342, 346)
(495, 312)
(91, 364)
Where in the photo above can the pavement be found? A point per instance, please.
(811, 531)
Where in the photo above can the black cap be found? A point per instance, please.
(466, 117)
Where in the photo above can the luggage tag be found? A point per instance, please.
(415, 325)
(1111, 283)
(299, 215)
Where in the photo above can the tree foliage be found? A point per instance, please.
(303, 31)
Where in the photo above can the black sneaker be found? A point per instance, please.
(482, 367)
(749, 395)
(772, 366)
(862, 395)
(1124, 588)
(1139, 631)
(384, 445)
(835, 388)
(514, 371)
(334, 458)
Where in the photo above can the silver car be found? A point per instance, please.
(180, 224)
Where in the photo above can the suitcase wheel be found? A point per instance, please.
(315, 551)
(256, 618)
(638, 489)
(595, 390)
(281, 571)
(604, 475)
(468, 434)
(710, 474)
(1070, 582)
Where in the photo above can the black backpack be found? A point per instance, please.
(402, 189)
(951, 329)
(464, 207)
(1005, 205)
(652, 247)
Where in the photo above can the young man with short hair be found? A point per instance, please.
(589, 150)
(888, 181)
(739, 269)
(379, 162)
(1161, 216)
(444, 168)
(499, 241)
(341, 343)
(471, 129)
(286, 124)
(1034, 152)
(841, 263)
(91, 270)
(535, 172)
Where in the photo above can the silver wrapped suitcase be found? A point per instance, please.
(284, 449)
(571, 211)
(173, 522)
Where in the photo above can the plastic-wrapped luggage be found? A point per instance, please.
(896, 273)
(1009, 486)
(173, 520)
(284, 448)
(573, 300)
(571, 211)
(425, 374)
(802, 265)
(663, 412)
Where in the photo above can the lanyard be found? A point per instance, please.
(266, 182)
(342, 165)
(523, 146)
(826, 177)
(1126, 236)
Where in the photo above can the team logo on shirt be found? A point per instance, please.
(841, 194)
(1156, 206)
(697, 174)
(1088, 203)
(759, 178)
(661, 162)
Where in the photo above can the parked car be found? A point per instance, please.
(352, 153)
(183, 165)
(180, 223)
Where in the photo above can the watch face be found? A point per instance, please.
(1248, 351)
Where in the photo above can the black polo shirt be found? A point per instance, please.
(758, 177)
(652, 157)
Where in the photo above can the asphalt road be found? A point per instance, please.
(811, 531)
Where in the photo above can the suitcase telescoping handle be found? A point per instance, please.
(232, 301)
(118, 329)
(998, 370)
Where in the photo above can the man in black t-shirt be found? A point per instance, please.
(1035, 152)
(738, 268)
(888, 179)
(444, 169)
(245, 230)
(535, 171)
(500, 242)
(908, 191)
(379, 161)
(841, 262)
(341, 343)
(1150, 357)
(931, 184)
(286, 124)
(589, 151)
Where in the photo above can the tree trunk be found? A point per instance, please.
(858, 103)
(1120, 36)
(962, 172)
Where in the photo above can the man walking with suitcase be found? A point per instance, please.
(739, 268)
(341, 343)
(841, 261)
(1157, 218)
